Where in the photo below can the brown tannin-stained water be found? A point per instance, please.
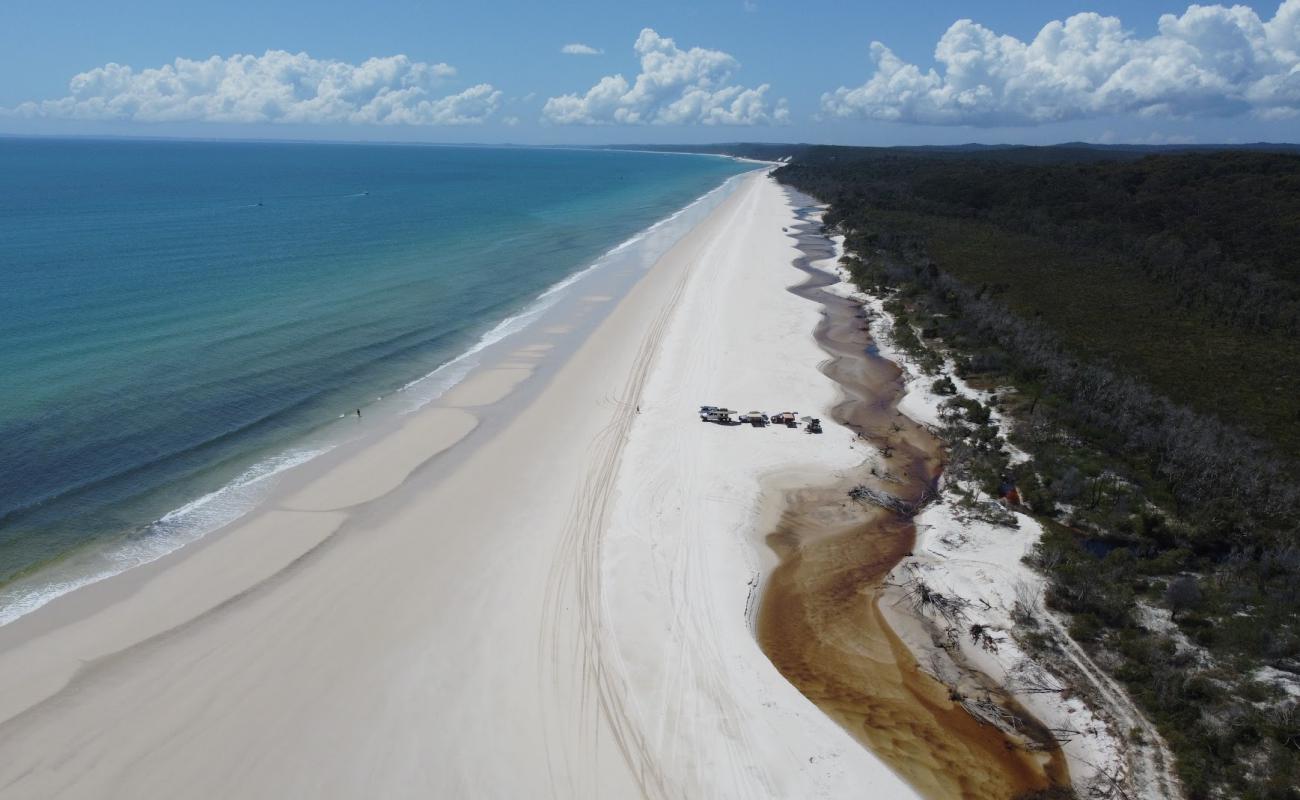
(819, 621)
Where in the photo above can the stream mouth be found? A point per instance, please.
(819, 619)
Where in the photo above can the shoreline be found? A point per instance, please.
(274, 475)
(554, 566)
(461, 612)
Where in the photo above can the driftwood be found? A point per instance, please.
(1107, 783)
(927, 601)
(983, 636)
(905, 508)
(1027, 677)
(990, 713)
(865, 494)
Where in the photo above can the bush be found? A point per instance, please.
(1085, 627)
(944, 386)
(1182, 594)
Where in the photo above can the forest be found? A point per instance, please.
(1138, 314)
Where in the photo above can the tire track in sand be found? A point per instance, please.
(696, 699)
(574, 576)
(596, 682)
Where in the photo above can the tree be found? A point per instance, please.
(1182, 594)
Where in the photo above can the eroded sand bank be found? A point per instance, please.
(821, 621)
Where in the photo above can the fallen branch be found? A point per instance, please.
(927, 601)
(865, 494)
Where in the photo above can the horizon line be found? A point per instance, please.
(628, 146)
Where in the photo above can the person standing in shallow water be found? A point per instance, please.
(358, 413)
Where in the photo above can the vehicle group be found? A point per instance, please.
(757, 419)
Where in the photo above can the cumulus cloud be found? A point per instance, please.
(274, 87)
(1155, 137)
(1210, 61)
(579, 49)
(674, 87)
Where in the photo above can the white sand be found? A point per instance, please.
(684, 557)
(562, 614)
(984, 564)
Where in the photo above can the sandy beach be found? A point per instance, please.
(551, 601)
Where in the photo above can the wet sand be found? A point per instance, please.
(819, 620)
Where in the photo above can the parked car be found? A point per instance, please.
(715, 414)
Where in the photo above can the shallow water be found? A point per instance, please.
(181, 320)
(820, 620)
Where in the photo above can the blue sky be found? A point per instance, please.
(843, 72)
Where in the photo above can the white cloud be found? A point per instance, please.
(274, 87)
(1210, 61)
(579, 49)
(674, 87)
(1155, 137)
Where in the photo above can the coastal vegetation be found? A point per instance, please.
(1137, 316)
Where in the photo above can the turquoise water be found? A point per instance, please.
(174, 314)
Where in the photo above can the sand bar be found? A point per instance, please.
(486, 387)
(385, 464)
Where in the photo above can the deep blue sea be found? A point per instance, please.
(174, 316)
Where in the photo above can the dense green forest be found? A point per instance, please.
(1182, 269)
(1139, 316)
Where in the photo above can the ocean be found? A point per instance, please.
(181, 320)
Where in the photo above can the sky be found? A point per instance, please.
(864, 72)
